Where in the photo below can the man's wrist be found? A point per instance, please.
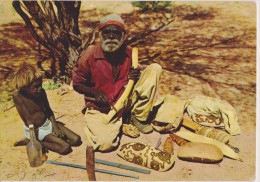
(92, 92)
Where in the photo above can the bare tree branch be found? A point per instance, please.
(29, 25)
(143, 35)
(49, 11)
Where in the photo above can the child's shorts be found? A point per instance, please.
(43, 131)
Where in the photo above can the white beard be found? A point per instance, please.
(111, 45)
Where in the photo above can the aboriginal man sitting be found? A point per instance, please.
(101, 74)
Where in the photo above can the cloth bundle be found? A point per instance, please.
(204, 110)
(213, 112)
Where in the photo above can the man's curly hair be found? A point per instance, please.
(25, 75)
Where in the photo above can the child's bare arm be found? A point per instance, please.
(22, 110)
(56, 130)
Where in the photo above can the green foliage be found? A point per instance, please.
(50, 85)
(6, 96)
(152, 5)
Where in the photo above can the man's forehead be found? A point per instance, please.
(112, 27)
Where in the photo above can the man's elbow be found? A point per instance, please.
(75, 87)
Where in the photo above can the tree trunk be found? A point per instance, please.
(54, 25)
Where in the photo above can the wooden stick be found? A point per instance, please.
(180, 141)
(168, 146)
(90, 164)
(121, 102)
(158, 143)
(189, 123)
(97, 170)
(236, 149)
(10, 107)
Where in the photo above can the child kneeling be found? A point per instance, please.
(33, 107)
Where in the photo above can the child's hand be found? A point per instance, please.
(58, 132)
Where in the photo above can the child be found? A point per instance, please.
(33, 107)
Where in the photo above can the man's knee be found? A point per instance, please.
(65, 149)
(155, 68)
(76, 140)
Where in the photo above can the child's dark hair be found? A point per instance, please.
(25, 75)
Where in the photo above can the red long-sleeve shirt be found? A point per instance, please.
(94, 70)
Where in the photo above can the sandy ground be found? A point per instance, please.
(13, 160)
(14, 164)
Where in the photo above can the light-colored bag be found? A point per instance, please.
(213, 112)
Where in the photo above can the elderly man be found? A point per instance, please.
(101, 74)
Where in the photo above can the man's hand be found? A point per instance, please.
(101, 97)
(134, 74)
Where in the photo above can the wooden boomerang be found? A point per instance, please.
(121, 102)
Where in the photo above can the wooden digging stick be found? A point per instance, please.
(121, 102)
(90, 163)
